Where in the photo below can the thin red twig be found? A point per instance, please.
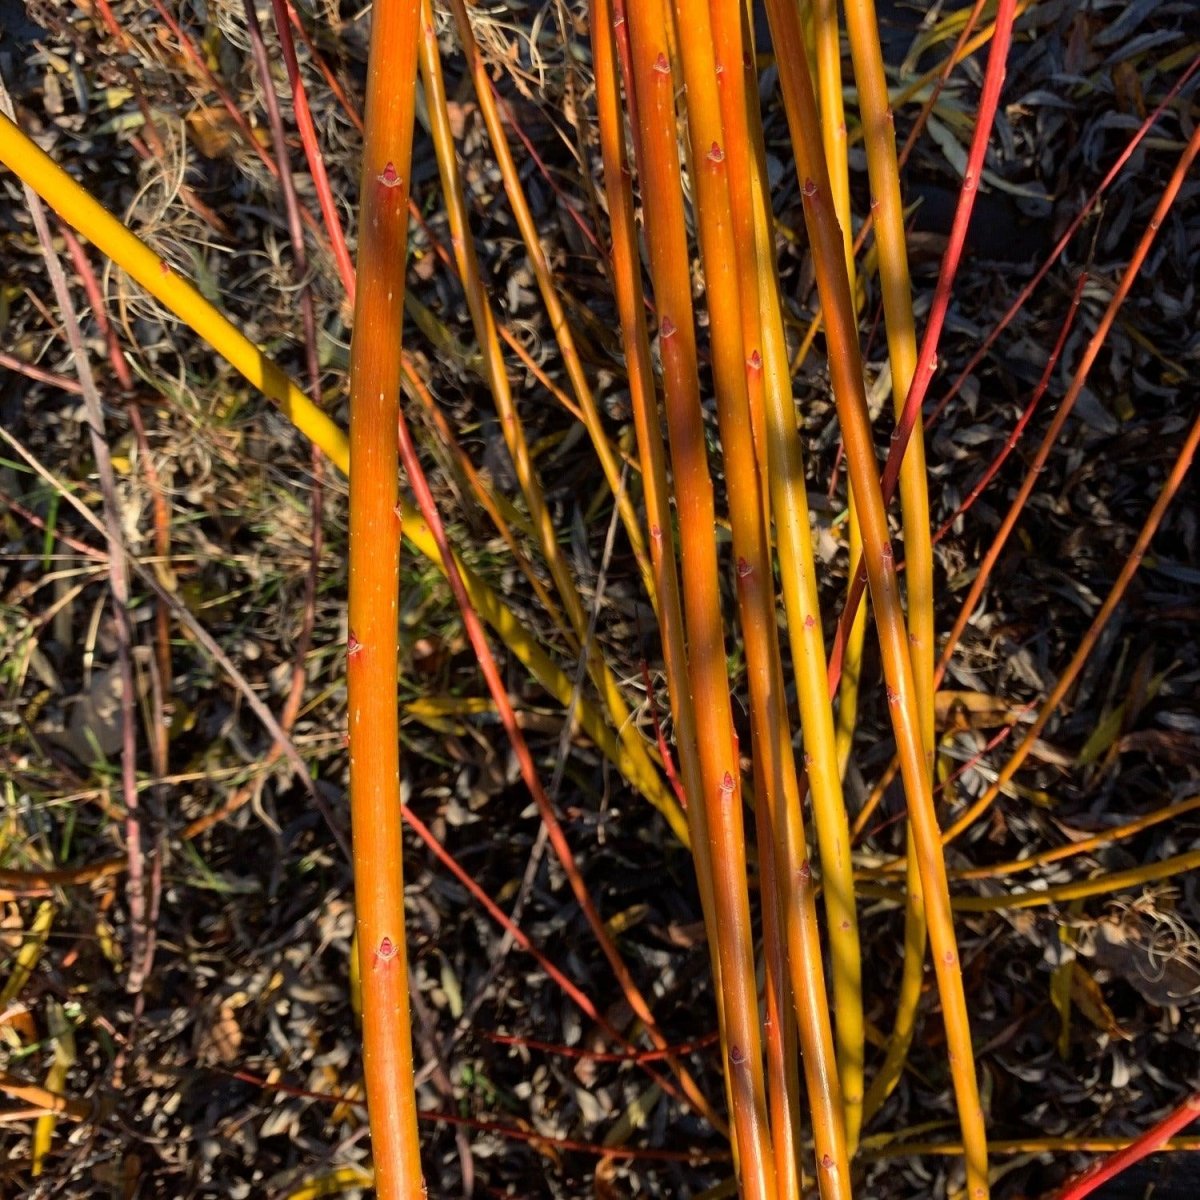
(1150, 1141)
(1013, 438)
(989, 100)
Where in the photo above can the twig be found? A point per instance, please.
(142, 949)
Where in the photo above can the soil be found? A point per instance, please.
(234, 1069)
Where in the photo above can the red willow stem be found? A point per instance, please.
(312, 151)
(1064, 241)
(1071, 672)
(91, 286)
(1150, 1141)
(522, 939)
(529, 773)
(989, 99)
(330, 78)
(1013, 438)
(1090, 354)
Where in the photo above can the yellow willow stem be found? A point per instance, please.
(910, 91)
(887, 207)
(852, 658)
(1049, 1145)
(721, 150)
(1062, 893)
(826, 35)
(783, 1080)
(374, 606)
(1103, 885)
(87, 216)
(1116, 834)
(916, 939)
(80, 210)
(483, 319)
(896, 287)
(912, 978)
(484, 322)
(720, 793)
(798, 575)
(548, 287)
(850, 396)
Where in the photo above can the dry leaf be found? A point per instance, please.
(219, 1040)
(213, 131)
(1159, 955)
(1089, 999)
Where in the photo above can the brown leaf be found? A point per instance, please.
(219, 1040)
(213, 131)
(972, 710)
(1089, 999)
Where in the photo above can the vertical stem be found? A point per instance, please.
(833, 835)
(548, 287)
(373, 642)
(850, 396)
(887, 208)
(650, 52)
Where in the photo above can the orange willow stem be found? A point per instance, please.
(729, 252)
(720, 784)
(798, 576)
(850, 397)
(887, 208)
(373, 639)
(484, 323)
(548, 287)
(655, 486)
(711, 55)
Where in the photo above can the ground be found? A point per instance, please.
(215, 1076)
